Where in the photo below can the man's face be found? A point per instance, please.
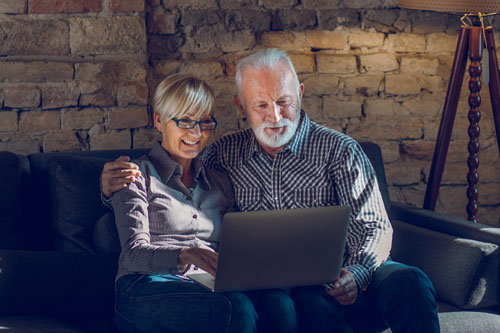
(271, 104)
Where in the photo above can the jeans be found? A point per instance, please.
(169, 303)
(399, 296)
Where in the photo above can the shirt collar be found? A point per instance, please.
(296, 144)
(167, 167)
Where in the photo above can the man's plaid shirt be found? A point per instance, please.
(319, 167)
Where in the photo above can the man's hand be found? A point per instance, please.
(345, 289)
(117, 175)
(206, 259)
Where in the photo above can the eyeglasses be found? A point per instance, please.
(185, 123)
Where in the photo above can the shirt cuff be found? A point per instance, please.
(106, 201)
(361, 274)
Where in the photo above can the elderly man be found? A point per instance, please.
(287, 161)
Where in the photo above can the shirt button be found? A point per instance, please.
(195, 216)
(276, 198)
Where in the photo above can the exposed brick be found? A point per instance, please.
(199, 18)
(126, 6)
(8, 121)
(382, 20)
(285, 40)
(320, 4)
(21, 96)
(235, 41)
(407, 43)
(122, 71)
(425, 106)
(34, 37)
(388, 107)
(336, 108)
(194, 4)
(224, 89)
(371, 4)
(113, 35)
(60, 95)
(200, 40)
(276, 4)
(39, 121)
(19, 143)
(145, 137)
(303, 63)
(237, 4)
(390, 151)
(96, 94)
(254, 20)
(441, 43)
(329, 19)
(379, 62)
(61, 141)
(432, 83)
(13, 6)
(111, 140)
(489, 194)
(413, 195)
(387, 128)
(366, 39)
(130, 117)
(35, 71)
(419, 65)
(291, 18)
(314, 108)
(326, 40)
(322, 84)
(419, 150)
(339, 64)
(132, 93)
(64, 6)
(365, 85)
(81, 119)
(161, 22)
(401, 84)
(201, 69)
(427, 22)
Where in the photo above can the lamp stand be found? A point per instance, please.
(470, 41)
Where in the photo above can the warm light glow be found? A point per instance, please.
(453, 6)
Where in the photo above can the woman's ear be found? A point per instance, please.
(157, 121)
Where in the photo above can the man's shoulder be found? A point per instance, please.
(327, 137)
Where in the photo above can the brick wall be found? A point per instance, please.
(77, 75)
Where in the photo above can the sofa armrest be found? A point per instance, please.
(447, 224)
(464, 272)
(56, 283)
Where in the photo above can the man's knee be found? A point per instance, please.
(407, 282)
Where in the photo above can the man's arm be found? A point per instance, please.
(117, 175)
(370, 232)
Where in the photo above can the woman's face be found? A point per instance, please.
(182, 144)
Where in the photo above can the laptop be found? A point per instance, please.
(279, 249)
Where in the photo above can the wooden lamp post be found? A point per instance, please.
(471, 40)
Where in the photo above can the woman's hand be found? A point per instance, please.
(203, 258)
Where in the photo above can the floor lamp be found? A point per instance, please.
(473, 37)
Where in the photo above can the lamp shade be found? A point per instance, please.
(453, 6)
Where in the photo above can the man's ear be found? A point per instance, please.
(301, 93)
(240, 106)
(157, 121)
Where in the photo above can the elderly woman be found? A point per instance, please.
(169, 221)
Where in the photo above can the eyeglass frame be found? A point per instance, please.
(196, 123)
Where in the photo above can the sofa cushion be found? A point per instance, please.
(464, 272)
(75, 200)
(106, 240)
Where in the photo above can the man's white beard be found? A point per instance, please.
(278, 139)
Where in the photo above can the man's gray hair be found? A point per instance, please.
(264, 59)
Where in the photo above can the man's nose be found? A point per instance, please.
(274, 114)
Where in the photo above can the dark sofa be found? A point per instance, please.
(56, 275)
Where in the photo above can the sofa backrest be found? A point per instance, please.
(61, 198)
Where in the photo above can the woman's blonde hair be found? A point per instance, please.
(179, 95)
